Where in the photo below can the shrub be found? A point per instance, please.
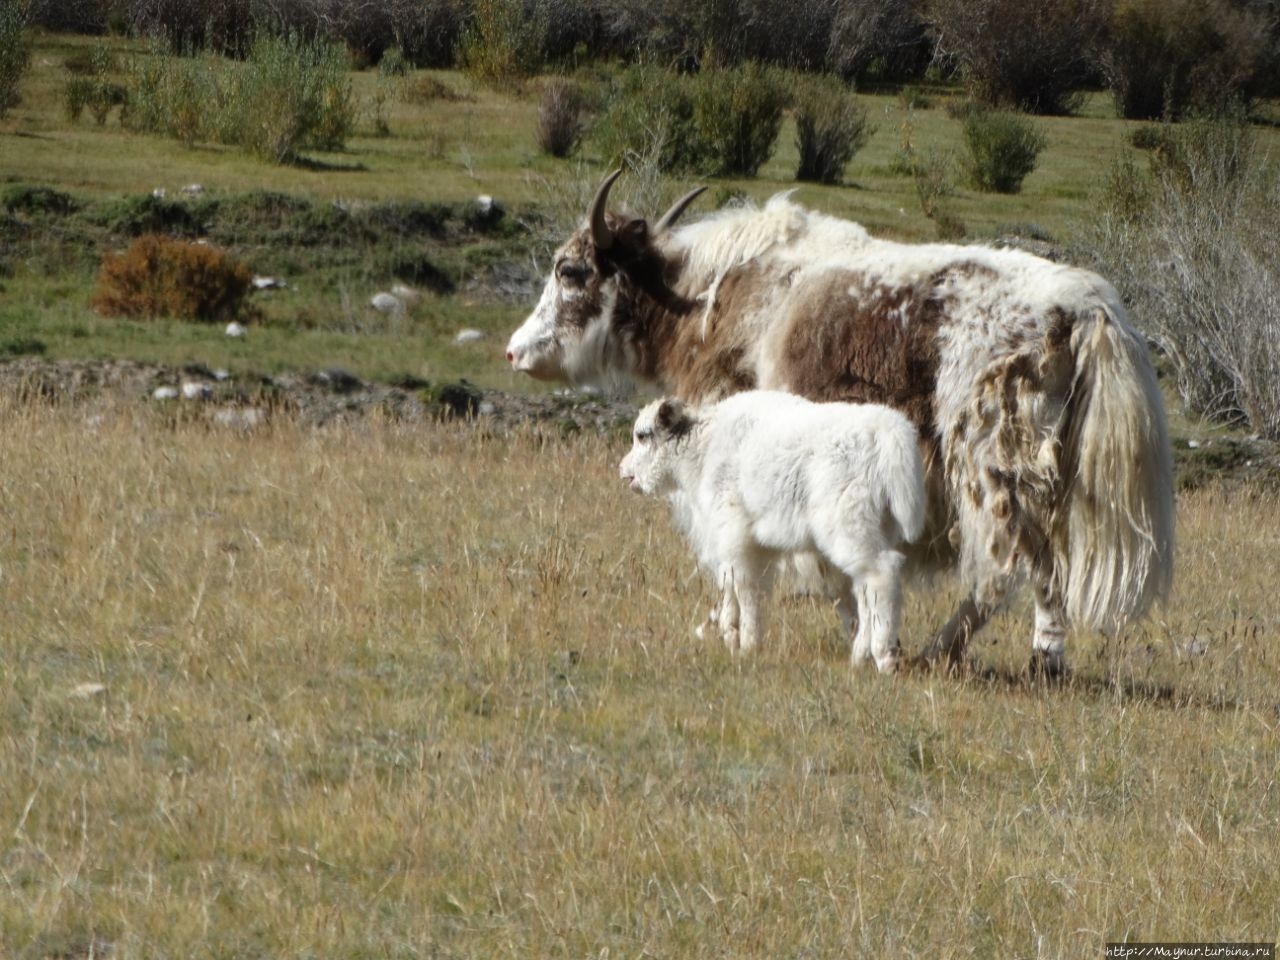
(501, 46)
(737, 114)
(162, 277)
(1171, 57)
(293, 93)
(186, 26)
(560, 113)
(831, 126)
(1192, 245)
(649, 114)
(1031, 56)
(394, 63)
(39, 201)
(1002, 149)
(91, 86)
(887, 39)
(289, 95)
(15, 51)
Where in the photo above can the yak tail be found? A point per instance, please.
(1119, 507)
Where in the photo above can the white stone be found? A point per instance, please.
(268, 283)
(193, 189)
(86, 691)
(468, 336)
(195, 390)
(235, 329)
(386, 303)
(165, 393)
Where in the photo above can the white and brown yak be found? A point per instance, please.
(1042, 424)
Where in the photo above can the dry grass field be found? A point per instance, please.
(415, 690)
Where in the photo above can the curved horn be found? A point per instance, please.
(671, 216)
(601, 235)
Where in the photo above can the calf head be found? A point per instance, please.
(656, 440)
(572, 332)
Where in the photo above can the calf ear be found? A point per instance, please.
(673, 418)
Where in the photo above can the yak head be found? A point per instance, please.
(570, 335)
(656, 442)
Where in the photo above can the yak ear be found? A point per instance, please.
(633, 236)
(673, 417)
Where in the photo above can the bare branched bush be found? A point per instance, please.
(831, 126)
(1029, 56)
(1168, 57)
(1192, 243)
(560, 117)
(887, 38)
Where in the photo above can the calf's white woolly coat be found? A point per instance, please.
(763, 475)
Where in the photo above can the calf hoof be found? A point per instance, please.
(889, 664)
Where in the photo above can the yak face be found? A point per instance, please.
(563, 337)
(650, 464)
(570, 333)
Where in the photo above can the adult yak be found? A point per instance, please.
(1044, 433)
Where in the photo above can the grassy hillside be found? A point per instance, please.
(440, 150)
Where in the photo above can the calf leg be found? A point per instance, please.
(860, 625)
(880, 613)
(726, 615)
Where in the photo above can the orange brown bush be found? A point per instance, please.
(159, 276)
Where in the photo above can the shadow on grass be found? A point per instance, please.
(1117, 689)
(325, 166)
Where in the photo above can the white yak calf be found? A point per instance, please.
(762, 476)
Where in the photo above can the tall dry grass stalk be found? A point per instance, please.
(411, 690)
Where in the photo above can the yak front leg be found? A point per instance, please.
(949, 642)
(1049, 641)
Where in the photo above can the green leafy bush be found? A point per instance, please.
(501, 46)
(831, 126)
(15, 51)
(162, 277)
(737, 114)
(293, 93)
(649, 114)
(1002, 149)
(91, 86)
(289, 95)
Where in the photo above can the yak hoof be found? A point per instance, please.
(1048, 667)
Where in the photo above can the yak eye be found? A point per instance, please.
(644, 435)
(573, 272)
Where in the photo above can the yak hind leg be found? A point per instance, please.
(949, 642)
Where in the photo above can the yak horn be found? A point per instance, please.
(671, 216)
(601, 235)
